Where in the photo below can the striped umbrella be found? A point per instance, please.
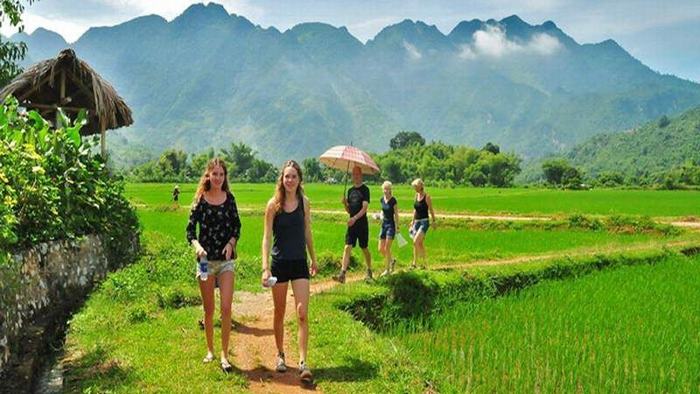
(345, 157)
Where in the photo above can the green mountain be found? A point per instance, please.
(657, 146)
(207, 78)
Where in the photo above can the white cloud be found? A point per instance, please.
(494, 43)
(544, 44)
(413, 52)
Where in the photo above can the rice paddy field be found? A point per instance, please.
(607, 328)
(632, 329)
(515, 201)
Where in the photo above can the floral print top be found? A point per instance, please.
(217, 224)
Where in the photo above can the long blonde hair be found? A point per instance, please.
(205, 183)
(280, 192)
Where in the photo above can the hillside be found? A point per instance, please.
(207, 78)
(644, 150)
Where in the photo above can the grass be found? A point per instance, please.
(137, 331)
(515, 201)
(456, 243)
(632, 329)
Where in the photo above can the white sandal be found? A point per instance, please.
(208, 358)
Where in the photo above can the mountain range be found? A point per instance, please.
(208, 78)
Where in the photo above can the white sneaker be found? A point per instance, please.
(281, 366)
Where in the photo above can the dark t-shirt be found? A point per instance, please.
(388, 209)
(356, 195)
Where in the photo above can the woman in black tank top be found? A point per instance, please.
(286, 239)
(420, 223)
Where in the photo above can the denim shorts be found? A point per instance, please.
(217, 267)
(388, 230)
(421, 225)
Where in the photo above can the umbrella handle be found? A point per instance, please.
(345, 185)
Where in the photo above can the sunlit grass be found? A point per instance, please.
(632, 329)
(517, 201)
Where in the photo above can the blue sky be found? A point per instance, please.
(665, 35)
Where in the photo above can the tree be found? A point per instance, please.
(240, 156)
(312, 170)
(405, 139)
(663, 122)
(611, 178)
(199, 162)
(174, 161)
(11, 52)
(260, 171)
(572, 178)
(489, 147)
(554, 170)
(391, 169)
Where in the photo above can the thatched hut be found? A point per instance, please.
(71, 84)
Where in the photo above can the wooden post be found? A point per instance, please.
(103, 140)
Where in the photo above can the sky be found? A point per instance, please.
(664, 35)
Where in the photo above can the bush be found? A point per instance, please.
(329, 263)
(53, 187)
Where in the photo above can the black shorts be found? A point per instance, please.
(287, 270)
(358, 232)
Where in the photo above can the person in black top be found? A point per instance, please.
(214, 209)
(287, 238)
(176, 193)
(420, 224)
(356, 205)
(390, 226)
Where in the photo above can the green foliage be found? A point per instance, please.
(409, 299)
(176, 166)
(558, 172)
(404, 139)
(312, 170)
(493, 148)
(620, 329)
(11, 53)
(53, 187)
(663, 154)
(448, 165)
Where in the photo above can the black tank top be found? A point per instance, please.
(288, 234)
(421, 208)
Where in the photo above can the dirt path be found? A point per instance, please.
(253, 338)
(689, 223)
(254, 341)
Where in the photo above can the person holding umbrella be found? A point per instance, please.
(356, 201)
(356, 204)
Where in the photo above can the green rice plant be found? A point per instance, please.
(633, 329)
(514, 201)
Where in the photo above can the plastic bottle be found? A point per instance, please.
(203, 268)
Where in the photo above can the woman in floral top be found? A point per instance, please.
(214, 209)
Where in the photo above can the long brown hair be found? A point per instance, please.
(280, 192)
(205, 183)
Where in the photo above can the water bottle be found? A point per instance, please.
(203, 268)
(271, 281)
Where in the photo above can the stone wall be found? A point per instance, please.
(45, 281)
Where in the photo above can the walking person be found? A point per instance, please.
(286, 240)
(390, 227)
(420, 223)
(176, 193)
(356, 205)
(214, 210)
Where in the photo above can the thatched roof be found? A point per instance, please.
(71, 84)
